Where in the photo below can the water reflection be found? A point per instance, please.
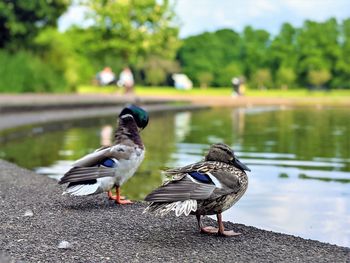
(300, 161)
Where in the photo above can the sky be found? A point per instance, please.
(197, 16)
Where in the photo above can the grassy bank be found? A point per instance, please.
(295, 93)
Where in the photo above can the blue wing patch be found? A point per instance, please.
(109, 163)
(203, 178)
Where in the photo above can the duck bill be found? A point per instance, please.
(240, 165)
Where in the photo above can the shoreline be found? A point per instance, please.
(98, 230)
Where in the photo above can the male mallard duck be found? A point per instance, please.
(110, 166)
(204, 188)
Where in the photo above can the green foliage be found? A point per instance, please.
(285, 77)
(283, 50)
(55, 46)
(25, 72)
(205, 79)
(128, 30)
(318, 77)
(341, 71)
(262, 79)
(209, 52)
(143, 34)
(294, 57)
(231, 70)
(318, 50)
(254, 50)
(155, 76)
(157, 70)
(21, 20)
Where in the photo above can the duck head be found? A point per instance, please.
(140, 115)
(223, 153)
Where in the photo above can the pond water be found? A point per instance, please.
(300, 161)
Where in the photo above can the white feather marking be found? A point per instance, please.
(194, 205)
(79, 190)
(215, 181)
(185, 207)
(180, 207)
(126, 115)
(188, 207)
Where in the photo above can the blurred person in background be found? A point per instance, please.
(106, 77)
(126, 80)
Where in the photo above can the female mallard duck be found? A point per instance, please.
(110, 166)
(204, 188)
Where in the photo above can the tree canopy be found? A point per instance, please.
(144, 35)
(22, 20)
(314, 55)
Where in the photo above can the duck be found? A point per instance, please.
(109, 167)
(208, 187)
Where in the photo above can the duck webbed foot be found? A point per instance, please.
(214, 230)
(114, 197)
(209, 230)
(222, 231)
(228, 233)
(119, 199)
(206, 229)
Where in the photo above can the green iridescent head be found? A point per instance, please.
(140, 115)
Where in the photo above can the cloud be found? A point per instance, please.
(75, 15)
(198, 16)
(209, 15)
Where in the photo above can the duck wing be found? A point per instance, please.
(181, 190)
(198, 181)
(86, 174)
(118, 151)
(101, 163)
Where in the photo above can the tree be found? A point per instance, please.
(210, 53)
(156, 70)
(225, 75)
(283, 55)
(73, 66)
(128, 30)
(255, 44)
(319, 49)
(262, 79)
(341, 73)
(318, 77)
(205, 79)
(285, 77)
(21, 20)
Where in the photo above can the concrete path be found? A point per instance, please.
(100, 231)
(53, 101)
(14, 119)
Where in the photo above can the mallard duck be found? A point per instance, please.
(110, 166)
(204, 188)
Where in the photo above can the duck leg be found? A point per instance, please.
(205, 229)
(114, 197)
(222, 231)
(118, 198)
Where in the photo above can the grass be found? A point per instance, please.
(159, 91)
(143, 90)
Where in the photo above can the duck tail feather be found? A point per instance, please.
(180, 207)
(79, 190)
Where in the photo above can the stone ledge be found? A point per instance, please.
(101, 231)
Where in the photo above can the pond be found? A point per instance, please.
(300, 160)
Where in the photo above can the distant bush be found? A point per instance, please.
(24, 72)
